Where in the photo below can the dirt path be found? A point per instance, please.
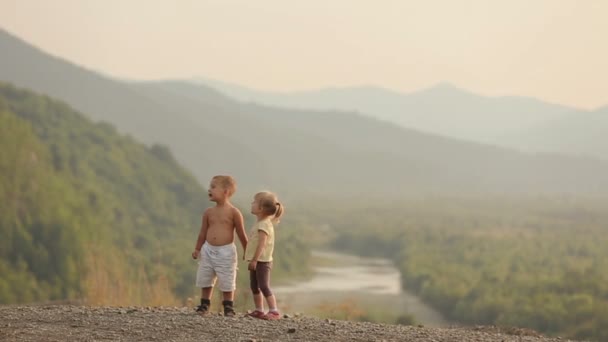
(74, 323)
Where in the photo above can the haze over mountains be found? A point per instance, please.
(516, 122)
(295, 150)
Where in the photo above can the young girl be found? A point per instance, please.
(268, 210)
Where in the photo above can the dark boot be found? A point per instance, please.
(203, 309)
(228, 309)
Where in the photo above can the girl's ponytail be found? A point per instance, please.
(278, 213)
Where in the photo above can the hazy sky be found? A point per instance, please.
(556, 50)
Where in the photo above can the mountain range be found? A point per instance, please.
(524, 123)
(296, 151)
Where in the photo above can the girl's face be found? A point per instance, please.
(255, 206)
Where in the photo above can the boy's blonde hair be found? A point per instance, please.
(270, 205)
(228, 183)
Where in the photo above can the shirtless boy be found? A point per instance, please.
(218, 256)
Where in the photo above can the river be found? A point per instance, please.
(371, 284)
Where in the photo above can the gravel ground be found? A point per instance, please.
(77, 323)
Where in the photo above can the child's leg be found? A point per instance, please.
(206, 292)
(263, 279)
(205, 279)
(272, 303)
(203, 308)
(258, 300)
(228, 303)
(228, 295)
(225, 267)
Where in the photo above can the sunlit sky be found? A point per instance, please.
(556, 50)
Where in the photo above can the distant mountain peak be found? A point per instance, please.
(445, 88)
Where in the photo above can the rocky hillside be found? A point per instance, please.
(75, 323)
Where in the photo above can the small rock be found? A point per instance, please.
(291, 330)
(420, 325)
(287, 316)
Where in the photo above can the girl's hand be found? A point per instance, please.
(195, 254)
(252, 265)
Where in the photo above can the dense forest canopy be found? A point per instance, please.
(538, 262)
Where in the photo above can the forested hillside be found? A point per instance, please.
(88, 214)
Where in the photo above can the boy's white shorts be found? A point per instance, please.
(217, 262)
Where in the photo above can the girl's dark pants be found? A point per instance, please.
(259, 279)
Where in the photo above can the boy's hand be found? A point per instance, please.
(253, 264)
(195, 254)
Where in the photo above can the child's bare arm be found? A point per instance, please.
(240, 228)
(202, 235)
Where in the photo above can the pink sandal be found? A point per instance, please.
(257, 314)
(273, 316)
